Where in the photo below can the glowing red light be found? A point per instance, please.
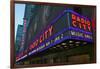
(80, 22)
(42, 37)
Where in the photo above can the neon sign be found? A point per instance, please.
(42, 37)
(80, 22)
(80, 34)
(79, 29)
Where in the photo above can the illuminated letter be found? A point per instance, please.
(84, 25)
(50, 30)
(46, 33)
(74, 23)
(36, 42)
(80, 25)
(31, 47)
(82, 20)
(73, 17)
(78, 19)
(88, 22)
(89, 28)
(41, 38)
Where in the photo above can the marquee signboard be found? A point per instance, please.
(81, 27)
(74, 27)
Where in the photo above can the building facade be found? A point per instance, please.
(59, 30)
(26, 20)
(19, 38)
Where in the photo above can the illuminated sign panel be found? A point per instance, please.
(80, 22)
(50, 35)
(42, 37)
(68, 25)
(81, 27)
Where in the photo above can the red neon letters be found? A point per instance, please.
(80, 22)
(42, 37)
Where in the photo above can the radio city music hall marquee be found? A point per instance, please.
(79, 28)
